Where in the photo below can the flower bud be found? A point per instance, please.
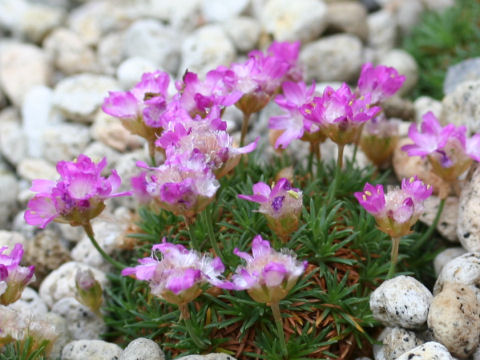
(89, 290)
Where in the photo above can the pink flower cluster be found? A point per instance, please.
(337, 114)
(13, 277)
(76, 197)
(398, 210)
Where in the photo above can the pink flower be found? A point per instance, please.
(177, 277)
(76, 197)
(379, 82)
(13, 277)
(398, 210)
(288, 52)
(184, 184)
(268, 275)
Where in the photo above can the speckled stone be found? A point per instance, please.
(397, 341)
(142, 349)
(464, 270)
(454, 319)
(458, 73)
(446, 256)
(91, 350)
(447, 224)
(468, 223)
(424, 104)
(462, 106)
(401, 301)
(213, 356)
(428, 351)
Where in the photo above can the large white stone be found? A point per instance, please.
(244, 32)
(428, 351)
(130, 71)
(65, 141)
(446, 256)
(468, 223)
(463, 269)
(405, 65)
(221, 10)
(91, 350)
(142, 349)
(461, 106)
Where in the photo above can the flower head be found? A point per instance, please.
(268, 275)
(13, 277)
(76, 197)
(379, 138)
(177, 277)
(379, 82)
(398, 210)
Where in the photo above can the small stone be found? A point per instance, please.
(302, 20)
(30, 303)
(37, 20)
(405, 65)
(397, 107)
(110, 53)
(446, 256)
(10, 238)
(397, 341)
(332, 58)
(461, 106)
(151, 40)
(79, 96)
(463, 270)
(63, 337)
(22, 66)
(142, 349)
(382, 30)
(60, 283)
(424, 104)
(65, 141)
(348, 17)
(468, 225)
(206, 49)
(221, 10)
(8, 200)
(69, 52)
(428, 351)
(97, 151)
(447, 224)
(466, 70)
(408, 14)
(126, 168)
(401, 301)
(244, 32)
(31, 169)
(13, 143)
(131, 70)
(70, 233)
(82, 323)
(454, 319)
(181, 15)
(91, 350)
(371, 5)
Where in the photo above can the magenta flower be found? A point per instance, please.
(177, 277)
(268, 275)
(398, 210)
(282, 206)
(379, 82)
(13, 277)
(76, 198)
(288, 53)
(184, 184)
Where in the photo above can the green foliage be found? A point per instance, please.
(441, 40)
(348, 258)
(24, 350)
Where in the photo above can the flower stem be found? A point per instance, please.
(278, 321)
(340, 157)
(338, 169)
(89, 231)
(151, 151)
(185, 315)
(190, 233)
(246, 118)
(393, 256)
(432, 227)
(207, 217)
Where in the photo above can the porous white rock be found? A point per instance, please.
(397, 341)
(408, 14)
(461, 106)
(424, 104)
(458, 73)
(447, 224)
(468, 224)
(382, 30)
(8, 200)
(221, 10)
(91, 350)
(65, 141)
(405, 65)
(205, 49)
(446, 256)
(429, 351)
(98, 150)
(38, 19)
(349, 17)
(130, 71)
(151, 40)
(454, 319)
(110, 52)
(22, 66)
(243, 31)
(10, 238)
(60, 283)
(464, 270)
(29, 303)
(302, 20)
(82, 323)
(13, 143)
(31, 169)
(79, 96)
(142, 349)
(401, 301)
(332, 58)
(438, 5)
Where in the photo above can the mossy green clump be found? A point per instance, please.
(441, 40)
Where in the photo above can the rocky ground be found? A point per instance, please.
(58, 60)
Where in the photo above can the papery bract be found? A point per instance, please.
(379, 138)
(379, 82)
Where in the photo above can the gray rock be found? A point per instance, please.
(454, 319)
(466, 70)
(401, 301)
(130, 71)
(397, 341)
(468, 224)
(13, 143)
(22, 66)
(463, 270)
(142, 349)
(405, 65)
(333, 58)
(151, 40)
(31, 169)
(65, 141)
(79, 96)
(63, 338)
(110, 53)
(8, 200)
(60, 283)
(461, 107)
(447, 224)
(428, 351)
(205, 49)
(82, 323)
(30, 303)
(181, 15)
(244, 32)
(424, 104)
(446, 256)
(69, 52)
(222, 10)
(91, 350)
(382, 30)
(302, 20)
(349, 17)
